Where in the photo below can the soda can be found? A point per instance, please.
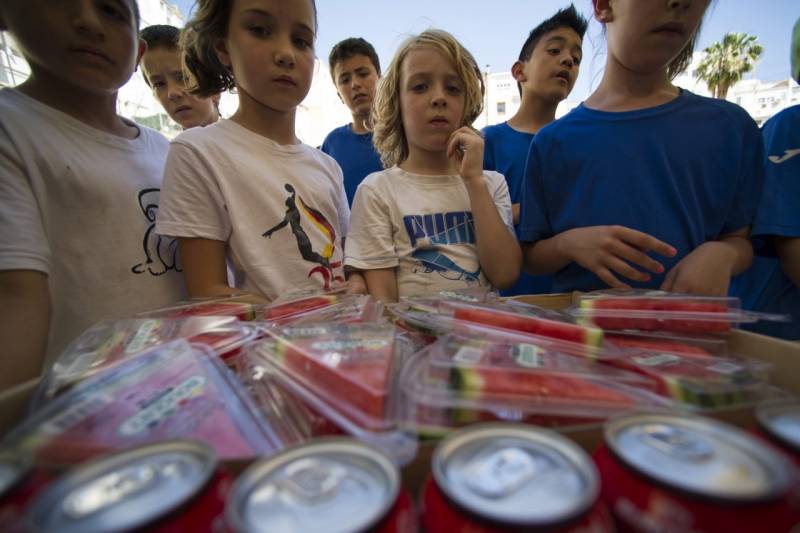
(675, 472)
(19, 484)
(324, 485)
(780, 423)
(500, 477)
(169, 486)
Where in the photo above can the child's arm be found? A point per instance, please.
(498, 250)
(382, 284)
(789, 254)
(204, 268)
(607, 251)
(707, 270)
(356, 284)
(24, 324)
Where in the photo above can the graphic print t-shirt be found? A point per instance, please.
(422, 225)
(281, 209)
(79, 205)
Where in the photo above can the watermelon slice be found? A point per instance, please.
(282, 312)
(700, 381)
(349, 365)
(546, 327)
(657, 313)
(656, 345)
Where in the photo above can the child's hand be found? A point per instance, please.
(606, 250)
(706, 271)
(356, 284)
(466, 146)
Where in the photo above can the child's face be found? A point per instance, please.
(356, 79)
(162, 69)
(270, 47)
(553, 67)
(431, 99)
(645, 35)
(92, 44)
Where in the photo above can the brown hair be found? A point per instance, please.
(199, 38)
(388, 135)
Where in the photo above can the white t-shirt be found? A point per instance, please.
(281, 209)
(422, 225)
(79, 205)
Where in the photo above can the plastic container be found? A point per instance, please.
(110, 342)
(436, 324)
(702, 382)
(647, 310)
(177, 390)
(348, 374)
(460, 380)
(669, 342)
(330, 309)
(234, 307)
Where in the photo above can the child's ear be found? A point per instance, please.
(518, 71)
(222, 53)
(140, 53)
(602, 11)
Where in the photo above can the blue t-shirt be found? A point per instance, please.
(765, 287)
(685, 172)
(355, 154)
(506, 151)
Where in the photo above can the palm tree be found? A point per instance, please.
(726, 62)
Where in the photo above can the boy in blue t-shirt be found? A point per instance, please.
(355, 70)
(546, 71)
(773, 282)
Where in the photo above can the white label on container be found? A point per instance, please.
(528, 355)
(468, 355)
(659, 359)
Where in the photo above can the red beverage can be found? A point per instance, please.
(323, 485)
(512, 477)
(780, 423)
(171, 486)
(665, 472)
(19, 484)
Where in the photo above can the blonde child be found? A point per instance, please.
(433, 220)
(644, 184)
(246, 189)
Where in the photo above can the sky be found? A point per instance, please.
(494, 30)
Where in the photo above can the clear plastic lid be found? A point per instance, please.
(687, 344)
(648, 310)
(437, 324)
(112, 341)
(459, 380)
(347, 373)
(702, 382)
(177, 390)
(233, 306)
(329, 309)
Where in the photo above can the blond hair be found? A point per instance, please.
(387, 124)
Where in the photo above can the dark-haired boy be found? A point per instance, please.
(78, 183)
(163, 73)
(355, 70)
(545, 72)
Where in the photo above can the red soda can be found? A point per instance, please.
(780, 423)
(674, 472)
(512, 477)
(323, 485)
(170, 486)
(19, 484)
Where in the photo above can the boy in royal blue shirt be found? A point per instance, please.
(546, 71)
(355, 70)
(773, 282)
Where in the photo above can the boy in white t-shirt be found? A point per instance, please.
(79, 185)
(434, 220)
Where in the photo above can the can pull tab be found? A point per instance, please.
(111, 489)
(313, 480)
(500, 473)
(677, 443)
